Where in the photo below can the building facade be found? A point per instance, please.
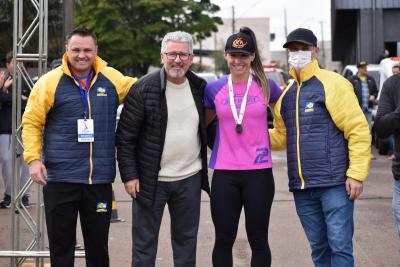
(364, 29)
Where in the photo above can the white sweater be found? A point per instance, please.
(181, 155)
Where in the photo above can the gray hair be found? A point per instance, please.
(179, 37)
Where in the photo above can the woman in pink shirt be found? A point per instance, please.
(241, 156)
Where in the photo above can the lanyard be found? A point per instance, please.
(238, 119)
(84, 92)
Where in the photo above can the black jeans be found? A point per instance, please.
(230, 191)
(62, 202)
(183, 199)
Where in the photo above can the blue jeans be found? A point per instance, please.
(368, 116)
(6, 162)
(391, 142)
(396, 204)
(327, 218)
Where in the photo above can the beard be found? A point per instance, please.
(176, 73)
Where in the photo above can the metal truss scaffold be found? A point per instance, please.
(31, 220)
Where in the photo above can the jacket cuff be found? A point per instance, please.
(358, 177)
(125, 177)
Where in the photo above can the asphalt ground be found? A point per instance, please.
(376, 242)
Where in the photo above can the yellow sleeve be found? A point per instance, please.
(39, 103)
(343, 107)
(277, 134)
(122, 83)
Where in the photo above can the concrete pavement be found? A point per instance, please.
(375, 240)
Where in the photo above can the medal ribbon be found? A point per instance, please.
(238, 119)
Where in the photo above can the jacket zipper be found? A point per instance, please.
(91, 143)
(298, 135)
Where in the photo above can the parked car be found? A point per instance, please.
(372, 70)
(276, 74)
(208, 76)
(385, 68)
(380, 72)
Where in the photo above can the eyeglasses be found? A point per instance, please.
(173, 55)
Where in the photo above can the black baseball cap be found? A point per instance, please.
(301, 35)
(240, 43)
(362, 63)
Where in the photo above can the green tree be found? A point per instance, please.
(6, 26)
(130, 31)
(55, 38)
(220, 63)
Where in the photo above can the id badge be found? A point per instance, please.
(85, 130)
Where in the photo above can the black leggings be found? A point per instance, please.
(231, 190)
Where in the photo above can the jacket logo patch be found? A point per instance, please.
(101, 91)
(309, 107)
(101, 207)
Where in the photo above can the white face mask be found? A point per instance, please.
(299, 59)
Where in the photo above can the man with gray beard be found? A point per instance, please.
(162, 153)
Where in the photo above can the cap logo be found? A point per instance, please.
(239, 43)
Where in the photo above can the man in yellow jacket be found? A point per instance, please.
(318, 120)
(73, 110)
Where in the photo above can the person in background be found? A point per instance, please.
(384, 55)
(328, 143)
(6, 154)
(365, 89)
(55, 63)
(387, 122)
(241, 155)
(70, 120)
(395, 70)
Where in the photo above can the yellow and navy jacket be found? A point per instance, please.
(320, 123)
(52, 112)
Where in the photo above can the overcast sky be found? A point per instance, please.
(300, 13)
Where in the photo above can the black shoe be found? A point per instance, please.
(6, 202)
(25, 201)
